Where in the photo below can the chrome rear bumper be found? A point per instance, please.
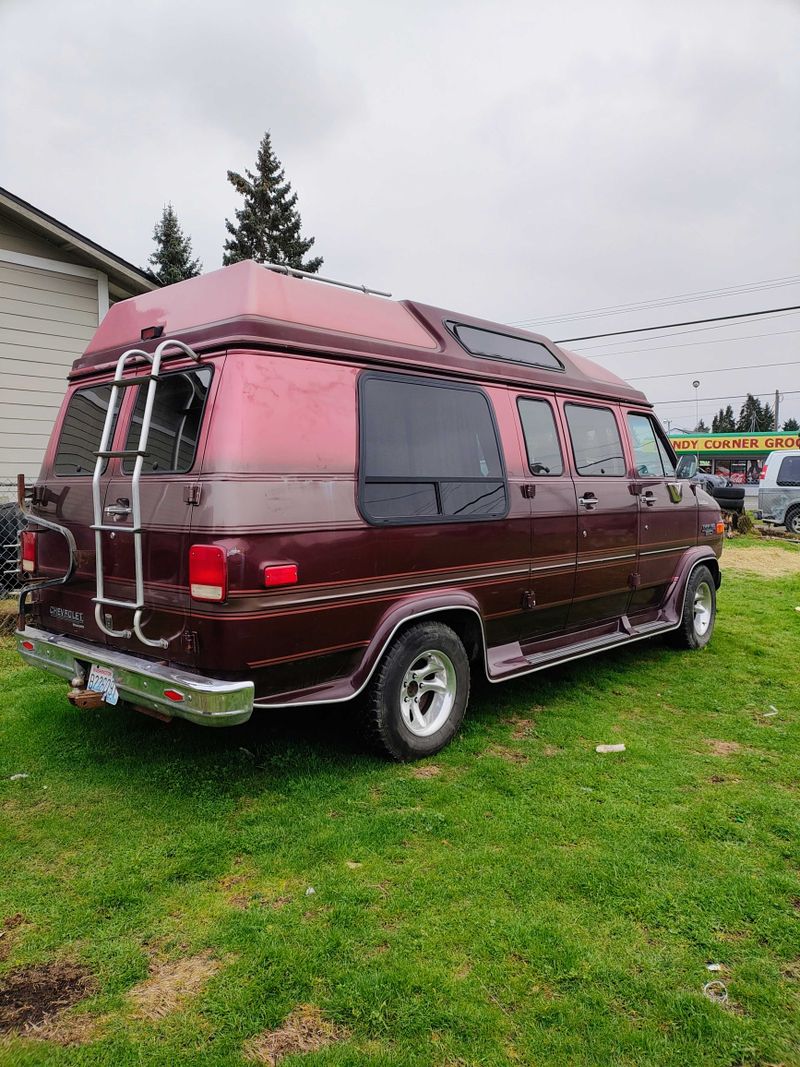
(206, 701)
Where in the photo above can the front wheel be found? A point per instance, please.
(416, 700)
(793, 520)
(699, 610)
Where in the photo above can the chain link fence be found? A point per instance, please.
(11, 523)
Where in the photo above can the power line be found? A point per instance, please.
(680, 298)
(684, 333)
(675, 325)
(735, 396)
(692, 344)
(712, 370)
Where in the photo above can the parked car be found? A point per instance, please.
(779, 491)
(263, 492)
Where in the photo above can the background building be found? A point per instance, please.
(738, 456)
(55, 286)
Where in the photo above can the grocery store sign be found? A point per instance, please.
(725, 442)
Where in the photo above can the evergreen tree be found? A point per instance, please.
(701, 427)
(172, 260)
(791, 426)
(751, 416)
(267, 227)
(767, 418)
(723, 421)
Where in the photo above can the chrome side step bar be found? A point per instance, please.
(105, 452)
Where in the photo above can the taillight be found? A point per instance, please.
(208, 572)
(280, 574)
(763, 474)
(28, 555)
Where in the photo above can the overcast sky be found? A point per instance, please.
(515, 160)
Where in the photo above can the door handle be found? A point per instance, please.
(588, 501)
(122, 507)
(648, 497)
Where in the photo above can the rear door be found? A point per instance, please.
(667, 510)
(167, 490)
(607, 510)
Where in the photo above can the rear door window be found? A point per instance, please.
(429, 452)
(789, 472)
(81, 431)
(175, 423)
(541, 437)
(596, 444)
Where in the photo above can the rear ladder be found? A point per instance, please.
(105, 453)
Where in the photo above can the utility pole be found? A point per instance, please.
(777, 406)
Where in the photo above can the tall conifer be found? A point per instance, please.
(172, 259)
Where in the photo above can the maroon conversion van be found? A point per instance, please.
(265, 491)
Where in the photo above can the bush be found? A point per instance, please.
(744, 523)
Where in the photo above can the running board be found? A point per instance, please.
(507, 665)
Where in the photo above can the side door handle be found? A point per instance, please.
(122, 507)
(648, 497)
(588, 501)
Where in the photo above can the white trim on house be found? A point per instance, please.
(58, 266)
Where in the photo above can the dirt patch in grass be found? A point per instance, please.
(552, 750)
(305, 1030)
(767, 561)
(520, 728)
(431, 771)
(722, 748)
(170, 983)
(510, 755)
(30, 995)
(791, 970)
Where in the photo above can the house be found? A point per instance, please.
(55, 287)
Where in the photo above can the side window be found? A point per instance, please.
(428, 451)
(81, 431)
(596, 443)
(650, 454)
(789, 471)
(541, 437)
(175, 423)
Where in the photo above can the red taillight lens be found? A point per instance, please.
(173, 695)
(28, 540)
(280, 574)
(208, 572)
(763, 474)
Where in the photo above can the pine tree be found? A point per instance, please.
(723, 421)
(172, 259)
(751, 415)
(791, 426)
(701, 427)
(267, 227)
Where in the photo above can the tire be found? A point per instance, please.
(729, 492)
(401, 717)
(699, 611)
(792, 520)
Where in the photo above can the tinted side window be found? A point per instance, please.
(175, 424)
(480, 342)
(541, 437)
(82, 430)
(596, 443)
(789, 472)
(649, 452)
(428, 451)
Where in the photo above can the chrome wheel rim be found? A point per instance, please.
(702, 608)
(428, 693)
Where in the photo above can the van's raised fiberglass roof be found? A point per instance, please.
(247, 305)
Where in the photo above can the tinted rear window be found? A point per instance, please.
(789, 473)
(81, 431)
(175, 423)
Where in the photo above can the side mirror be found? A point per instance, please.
(687, 467)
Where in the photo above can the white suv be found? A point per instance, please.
(779, 490)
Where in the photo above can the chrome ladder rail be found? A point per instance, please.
(105, 453)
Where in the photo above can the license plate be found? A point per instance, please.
(101, 680)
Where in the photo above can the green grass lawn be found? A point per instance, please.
(518, 900)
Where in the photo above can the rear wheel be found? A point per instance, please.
(793, 520)
(416, 700)
(699, 610)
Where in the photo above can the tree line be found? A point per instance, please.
(267, 227)
(754, 417)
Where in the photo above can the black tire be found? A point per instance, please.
(691, 633)
(729, 492)
(792, 520)
(392, 704)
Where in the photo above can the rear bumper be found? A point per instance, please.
(206, 701)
